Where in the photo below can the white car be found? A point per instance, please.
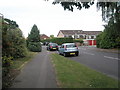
(68, 49)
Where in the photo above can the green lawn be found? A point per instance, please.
(71, 74)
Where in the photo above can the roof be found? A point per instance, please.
(42, 36)
(92, 32)
(72, 32)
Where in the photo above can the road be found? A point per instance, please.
(102, 61)
(38, 73)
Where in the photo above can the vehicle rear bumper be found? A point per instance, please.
(72, 53)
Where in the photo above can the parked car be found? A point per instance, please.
(68, 49)
(52, 46)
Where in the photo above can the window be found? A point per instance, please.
(81, 36)
(62, 46)
(92, 37)
(71, 46)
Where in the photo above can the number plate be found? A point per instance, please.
(54, 48)
(72, 53)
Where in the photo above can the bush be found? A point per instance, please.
(14, 43)
(109, 38)
(59, 40)
(35, 46)
(78, 40)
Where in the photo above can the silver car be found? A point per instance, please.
(68, 49)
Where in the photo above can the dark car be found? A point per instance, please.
(52, 46)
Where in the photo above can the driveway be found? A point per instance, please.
(38, 73)
(104, 61)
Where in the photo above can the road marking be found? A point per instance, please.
(111, 57)
(89, 53)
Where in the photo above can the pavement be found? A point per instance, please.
(38, 73)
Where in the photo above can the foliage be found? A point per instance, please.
(78, 40)
(34, 46)
(33, 41)
(110, 38)
(13, 46)
(70, 5)
(14, 43)
(7, 61)
(59, 40)
(51, 36)
(109, 10)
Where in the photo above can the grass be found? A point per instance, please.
(17, 64)
(71, 74)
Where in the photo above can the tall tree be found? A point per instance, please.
(34, 40)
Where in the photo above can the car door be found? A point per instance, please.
(62, 49)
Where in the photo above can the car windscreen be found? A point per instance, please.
(54, 44)
(71, 46)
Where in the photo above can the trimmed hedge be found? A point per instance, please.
(59, 40)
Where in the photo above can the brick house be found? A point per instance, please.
(44, 37)
(87, 36)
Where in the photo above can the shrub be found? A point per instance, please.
(35, 46)
(59, 40)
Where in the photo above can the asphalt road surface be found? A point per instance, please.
(38, 73)
(102, 61)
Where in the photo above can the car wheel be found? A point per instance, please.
(77, 54)
(59, 53)
(64, 54)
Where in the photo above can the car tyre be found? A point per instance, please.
(64, 54)
(77, 54)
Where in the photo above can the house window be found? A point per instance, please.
(70, 36)
(92, 37)
(65, 36)
(81, 36)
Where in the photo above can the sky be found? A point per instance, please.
(50, 18)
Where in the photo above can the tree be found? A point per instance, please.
(34, 40)
(51, 36)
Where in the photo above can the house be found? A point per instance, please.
(87, 36)
(44, 37)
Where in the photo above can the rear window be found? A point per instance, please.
(54, 44)
(71, 45)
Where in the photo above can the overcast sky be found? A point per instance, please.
(50, 18)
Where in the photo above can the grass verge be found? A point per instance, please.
(71, 74)
(19, 63)
(15, 68)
